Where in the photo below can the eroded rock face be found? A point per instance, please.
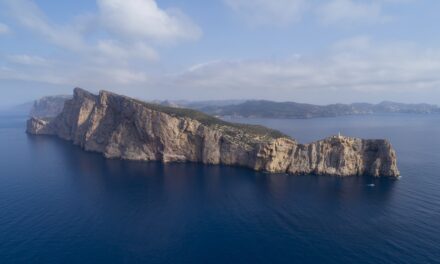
(121, 127)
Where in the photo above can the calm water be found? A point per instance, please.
(59, 204)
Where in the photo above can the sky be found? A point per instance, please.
(315, 51)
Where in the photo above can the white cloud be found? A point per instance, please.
(34, 74)
(328, 12)
(122, 45)
(355, 69)
(4, 29)
(110, 77)
(139, 50)
(353, 44)
(28, 60)
(144, 19)
(269, 12)
(30, 16)
(347, 12)
(72, 73)
(120, 38)
(127, 21)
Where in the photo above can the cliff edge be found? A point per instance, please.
(126, 128)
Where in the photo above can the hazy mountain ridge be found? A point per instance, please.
(52, 105)
(48, 106)
(270, 109)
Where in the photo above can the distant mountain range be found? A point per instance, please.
(48, 106)
(270, 109)
(52, 105)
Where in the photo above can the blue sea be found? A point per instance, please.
(59, 204)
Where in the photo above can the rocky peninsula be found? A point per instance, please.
(126, 128)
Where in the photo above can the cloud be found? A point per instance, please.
(28, 60)
(355, 69)
(75, 74)
(144, 19)
(107, 49)
(347, 12)
(121, 37)
(264, 12)
(138, 50)
(126, 21)
(357, 43)
(28, 14)
(328, 12)
(4, 29)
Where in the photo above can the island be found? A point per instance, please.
(126, 128)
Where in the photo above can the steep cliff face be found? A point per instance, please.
(122, 127)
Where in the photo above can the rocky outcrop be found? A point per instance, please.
(122, 127)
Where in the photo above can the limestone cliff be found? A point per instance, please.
(122, 127)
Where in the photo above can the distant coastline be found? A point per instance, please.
(53, 105)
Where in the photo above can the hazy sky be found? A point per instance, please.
(317, 51)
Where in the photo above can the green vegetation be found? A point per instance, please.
(211, 121)
(233, 129)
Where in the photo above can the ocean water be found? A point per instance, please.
(59, 204)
